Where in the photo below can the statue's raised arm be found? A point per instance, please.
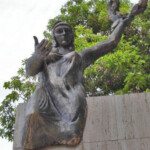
(120, 22)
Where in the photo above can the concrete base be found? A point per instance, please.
(119, 122)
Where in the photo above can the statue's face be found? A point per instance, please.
(63, 35)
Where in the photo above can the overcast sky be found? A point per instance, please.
(19, 21)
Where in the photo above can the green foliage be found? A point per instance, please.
(119, 72)
(112, 73)
(92, 14)
(86, 38)
(125, 70)
(21, 87)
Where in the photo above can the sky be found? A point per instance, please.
(20, 20)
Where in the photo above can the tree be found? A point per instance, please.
(21, 87)
(124, 70)
(92, 14)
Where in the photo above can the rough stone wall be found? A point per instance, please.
(120, 122)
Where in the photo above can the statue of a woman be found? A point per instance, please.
(56, 112)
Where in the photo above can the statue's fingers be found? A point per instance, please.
(48, 49)
(135, 9)
(49, 46)
(47, 52)
(44, 44)
(41, 43)
(36, 42)
(139, 8)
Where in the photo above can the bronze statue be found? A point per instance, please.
(56, 113)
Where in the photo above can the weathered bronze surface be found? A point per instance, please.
(56, 112)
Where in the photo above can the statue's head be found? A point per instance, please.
(62, 35)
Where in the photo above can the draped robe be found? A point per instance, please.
(56, 112)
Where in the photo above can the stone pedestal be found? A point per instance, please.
(119, 122)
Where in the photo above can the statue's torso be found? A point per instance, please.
(67, 93)
(57, 109)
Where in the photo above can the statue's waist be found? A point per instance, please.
(62, 101)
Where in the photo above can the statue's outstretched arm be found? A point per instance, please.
(36, 62)
(89, 55)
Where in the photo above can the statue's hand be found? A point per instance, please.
(43, 48)
(117, 17)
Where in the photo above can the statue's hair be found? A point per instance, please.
(54, 41)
